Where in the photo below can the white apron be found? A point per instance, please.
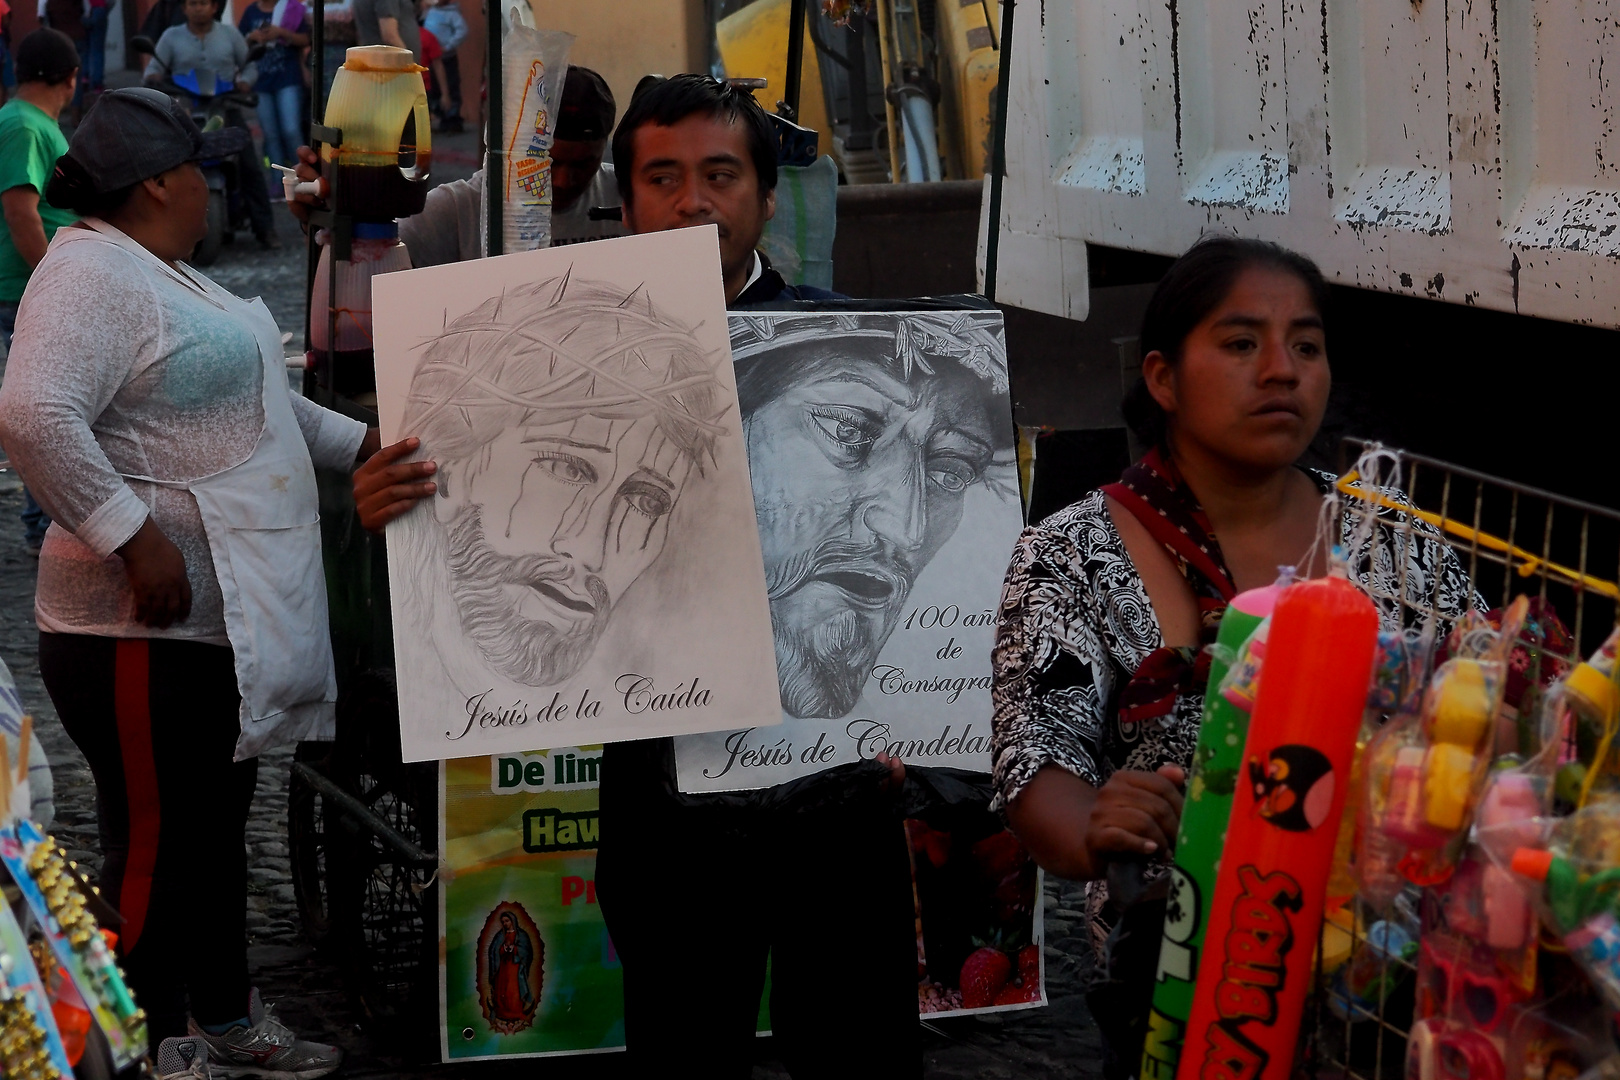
(263, 528)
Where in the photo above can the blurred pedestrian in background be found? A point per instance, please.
(164, 14)
(388, 22)
(216, 54)
(444, 20)
(339, 35)
(429, 57)
(93, 65)
(283, 27)
(30, 142)
(8, 74)
(69, 17)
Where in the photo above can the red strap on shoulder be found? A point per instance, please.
(1178, 542)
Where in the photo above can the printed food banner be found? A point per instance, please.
(527, 967)
(526, 963)
(979, 926)
(880, 452)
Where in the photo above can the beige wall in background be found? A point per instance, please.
(626, 39)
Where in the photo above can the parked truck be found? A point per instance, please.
(1454, 165)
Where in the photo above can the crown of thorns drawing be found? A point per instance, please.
(920, 339)
(559, 350)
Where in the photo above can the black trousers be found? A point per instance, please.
(157, 721)
(252, 185)
(696, 899)
(452, 75)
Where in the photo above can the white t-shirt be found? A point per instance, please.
(139, 375)
(574, 225)
(450, 229)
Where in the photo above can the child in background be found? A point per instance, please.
(431, 53)
(445, 22)
(8, 76)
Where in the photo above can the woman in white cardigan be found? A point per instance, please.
(181, 601)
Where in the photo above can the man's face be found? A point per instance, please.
(573, 167)
(542, 554)
(858, 482)
(200, 14)
(698, 171)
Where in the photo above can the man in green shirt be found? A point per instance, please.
(30, 142)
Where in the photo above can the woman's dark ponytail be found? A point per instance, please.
(1193, 287)
(72, 188)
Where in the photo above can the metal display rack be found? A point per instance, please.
(361, 823)
(1513, 539)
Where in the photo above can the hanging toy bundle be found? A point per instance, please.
(1271, 885)
(1217, 765)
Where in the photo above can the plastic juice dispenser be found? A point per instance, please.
(377, 174)
(380, 103)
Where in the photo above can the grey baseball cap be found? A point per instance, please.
(131, 135)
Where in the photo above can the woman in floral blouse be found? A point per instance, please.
(1107, 605)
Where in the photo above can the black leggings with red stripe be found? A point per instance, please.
(157, 720)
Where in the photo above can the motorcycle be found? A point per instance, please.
(221, 106)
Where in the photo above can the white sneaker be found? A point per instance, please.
(183, 1059)
(264, 1047)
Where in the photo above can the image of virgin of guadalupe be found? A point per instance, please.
(510, 961)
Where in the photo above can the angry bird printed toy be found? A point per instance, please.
(1294, 788)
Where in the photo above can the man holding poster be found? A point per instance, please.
(864, 456)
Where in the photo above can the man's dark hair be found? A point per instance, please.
(587, 108)
(1193, 287)
(674, 99)
(46, 56)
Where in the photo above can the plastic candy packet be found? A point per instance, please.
(1427, 768)
(1582, 712)
(1573, 880)
(1399, 664)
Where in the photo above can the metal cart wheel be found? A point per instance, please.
(362, 829)
(308, 819)
(384, 901)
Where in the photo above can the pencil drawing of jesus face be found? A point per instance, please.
(858, 477)
(542, 554)
(566, 417)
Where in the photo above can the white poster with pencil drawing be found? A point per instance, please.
(589, 569)
(881, 452)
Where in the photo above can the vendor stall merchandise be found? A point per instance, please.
(63, 999)
(1434, 805)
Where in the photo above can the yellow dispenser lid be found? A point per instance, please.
(1596, 687)
(380, 58)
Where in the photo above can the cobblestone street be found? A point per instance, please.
(305, 986)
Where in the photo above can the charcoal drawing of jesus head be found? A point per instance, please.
(865, 434)
(567, 418)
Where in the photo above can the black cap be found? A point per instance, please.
(46, 56)
(588, 109)
(131, 135)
